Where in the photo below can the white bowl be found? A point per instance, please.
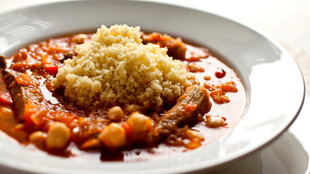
(273, 82)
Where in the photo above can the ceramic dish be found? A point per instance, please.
(274, 84)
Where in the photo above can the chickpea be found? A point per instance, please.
(113, 136)
(116, 113)
(80, 38)
(58, 136)
(139, 123)
(37, 137)
(215, 121)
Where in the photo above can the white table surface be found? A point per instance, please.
(286, 21)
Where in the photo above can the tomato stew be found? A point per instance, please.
(40, 115)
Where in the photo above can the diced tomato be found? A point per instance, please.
(229, 87)
(220, 74)
(219, 97)
(5, 98)
(209, 87)
(51, 69)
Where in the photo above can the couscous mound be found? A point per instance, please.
(116, 68)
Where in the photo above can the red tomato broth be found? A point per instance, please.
(55, 48)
